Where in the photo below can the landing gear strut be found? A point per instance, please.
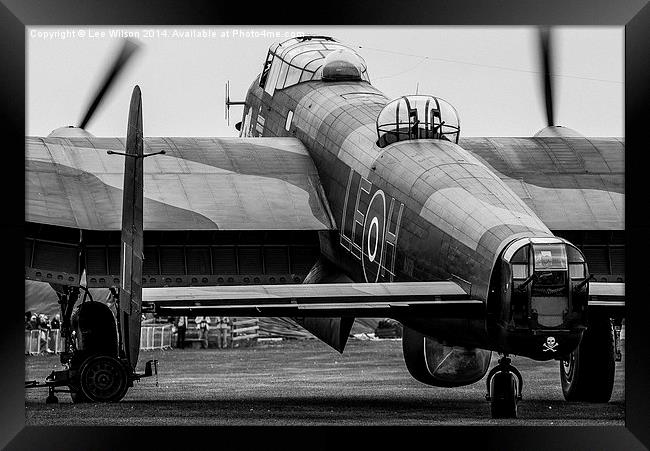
(96, 369)
(504, 384)
(67, 298)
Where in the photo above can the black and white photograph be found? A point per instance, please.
(343, 227)
(326, 225)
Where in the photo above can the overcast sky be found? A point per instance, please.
(490, 74)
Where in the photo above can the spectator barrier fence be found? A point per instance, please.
(49, 340)
(156, 337)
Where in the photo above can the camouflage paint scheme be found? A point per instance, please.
(458, 213)
(422, 210)
(199, 184)
(571, 183)
(446, 213)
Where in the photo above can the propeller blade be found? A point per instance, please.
(127, 50)
(546, 55)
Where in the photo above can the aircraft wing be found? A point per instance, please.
(570, 183)
(198, 184)
(607, 297)
(439, 299)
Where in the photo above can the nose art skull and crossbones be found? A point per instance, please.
(550, 344)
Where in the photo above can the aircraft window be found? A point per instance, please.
(549, 279)
(521, 256)
(304, 58)
(293, 76)
(282, 76)
(301, 59)
(519, 271)
(342, 65)
(574, 255)
(306, 76)
(577, 270)
(259, 128)
(244, 126)
(417, 117)
(314, 62)
(289, 119)
(517, 251)
(273, 77)
(549, 256)
(403, 118)
(265, 69)
(292, 54)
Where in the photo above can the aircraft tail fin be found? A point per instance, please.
(131, 251)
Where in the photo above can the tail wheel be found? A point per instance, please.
(504, 395)
(103, 379)
(587, 374)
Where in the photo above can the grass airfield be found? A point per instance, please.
(304, 382)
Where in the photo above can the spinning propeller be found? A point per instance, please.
(546, 62)
(545, 55)
(128, 49)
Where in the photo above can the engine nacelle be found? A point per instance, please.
(433, 363)
(94, 326)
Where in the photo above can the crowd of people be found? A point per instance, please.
(180, 326)
(42, 323)
(203, 324)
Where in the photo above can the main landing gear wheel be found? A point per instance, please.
(103, 379)
(587, 374)
(504, 384)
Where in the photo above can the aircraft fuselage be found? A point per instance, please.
(414, 210)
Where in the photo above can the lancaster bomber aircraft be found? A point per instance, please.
(336, 202)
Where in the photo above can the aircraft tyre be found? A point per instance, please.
(587, 374)
(77, 396)
(503, 403)
(103, 379)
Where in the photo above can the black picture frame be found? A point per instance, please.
(15, 15)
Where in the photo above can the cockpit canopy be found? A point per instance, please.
(311, 58)
(341, 65)
(417, 117)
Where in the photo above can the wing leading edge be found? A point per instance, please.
(379, 300)
(437, 299)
